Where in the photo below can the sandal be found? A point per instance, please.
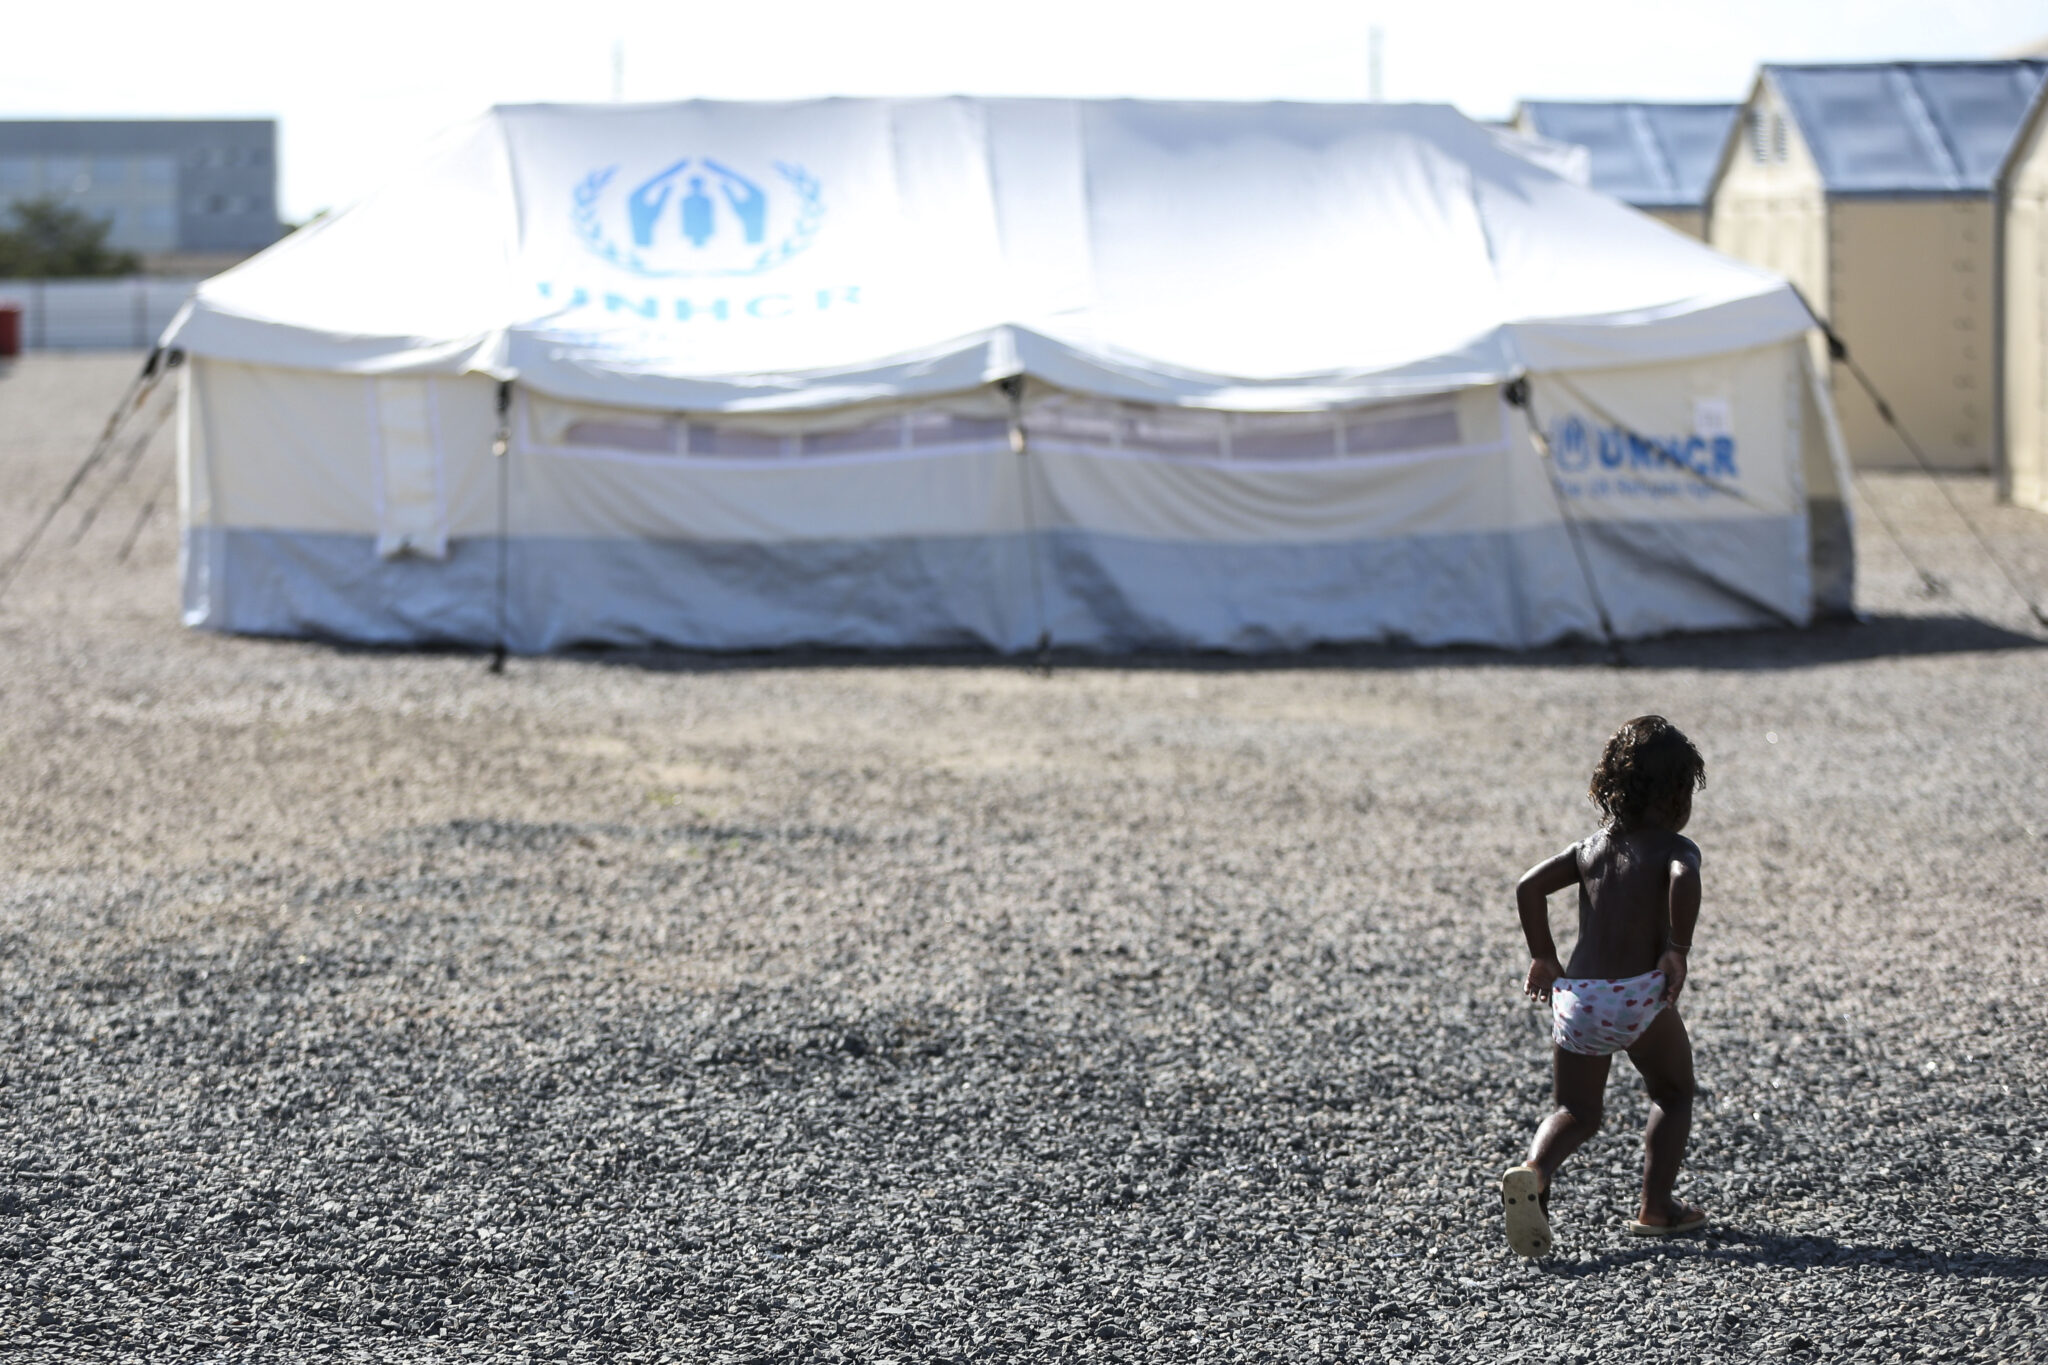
(1691, 1219)
(1522, 1202)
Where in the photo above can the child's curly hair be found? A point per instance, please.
(1648, 764)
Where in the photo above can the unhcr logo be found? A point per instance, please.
(1580, 448)
(698, 216)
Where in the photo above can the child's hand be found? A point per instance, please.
(1672, 964)
(1542, 972)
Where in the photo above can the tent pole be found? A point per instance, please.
(1518, 393)
(501, 456)
(1013, 389)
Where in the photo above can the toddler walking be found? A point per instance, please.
(1639, 896)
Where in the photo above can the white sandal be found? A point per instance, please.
(1521, 1206)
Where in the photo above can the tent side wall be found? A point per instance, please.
(1912, 288)
(365, 508)
(2026, 319)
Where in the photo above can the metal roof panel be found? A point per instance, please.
(1910, 127)
(1648, 155)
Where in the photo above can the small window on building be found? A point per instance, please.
(66, 175)
(1781, 138)
(157, 170)
(109, 171)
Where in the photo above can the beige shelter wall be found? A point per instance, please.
(1771, 209)
(1691, 222)
(2026, 322)
(1911, 288)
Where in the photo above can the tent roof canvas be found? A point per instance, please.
(1650, 155)
(766, 256)
(1909, 128)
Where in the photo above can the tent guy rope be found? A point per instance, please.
(159, 363)
(1838, 351)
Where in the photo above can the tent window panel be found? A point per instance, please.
(1165, 432)
(651, 437)
(933, 429)
(1257, 439)
(872, 438)
(1405, 429)
(1073, 424)
(736, 442)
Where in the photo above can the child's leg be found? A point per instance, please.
(1580, 1084)
(1664, 1057)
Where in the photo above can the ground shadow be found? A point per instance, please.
(1829, 642)
(1832, 642)
(1763, 1247)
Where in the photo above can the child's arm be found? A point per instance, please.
(1532, 902)
(1684, 915)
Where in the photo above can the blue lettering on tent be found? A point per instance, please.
(768, 307)
(1575, 445)
(718, 310)
(619, 303)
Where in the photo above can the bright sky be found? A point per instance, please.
(356, 85)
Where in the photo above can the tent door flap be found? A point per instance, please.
(412, 504)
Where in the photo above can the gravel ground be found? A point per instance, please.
(363, 1005)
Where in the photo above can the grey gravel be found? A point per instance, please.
(362, 1005)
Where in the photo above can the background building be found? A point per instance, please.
(189, 196)
(1659, 158)
(2024, 471)
(1874, 188)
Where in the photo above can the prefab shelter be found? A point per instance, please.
(934, 372)
(1656, 157)
(2024, 372)
(1874, 189)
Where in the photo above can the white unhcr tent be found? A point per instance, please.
(931, 372)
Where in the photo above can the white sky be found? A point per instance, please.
(357, 84)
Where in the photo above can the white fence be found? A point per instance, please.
(119, 314)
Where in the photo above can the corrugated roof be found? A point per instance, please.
(1649, 155)
(1910, 127)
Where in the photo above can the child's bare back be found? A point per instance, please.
(1625, 885)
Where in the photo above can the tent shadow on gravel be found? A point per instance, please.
(1757, 1246)
(1872, 637)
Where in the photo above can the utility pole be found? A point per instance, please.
(1376, 43)
(618, 70)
